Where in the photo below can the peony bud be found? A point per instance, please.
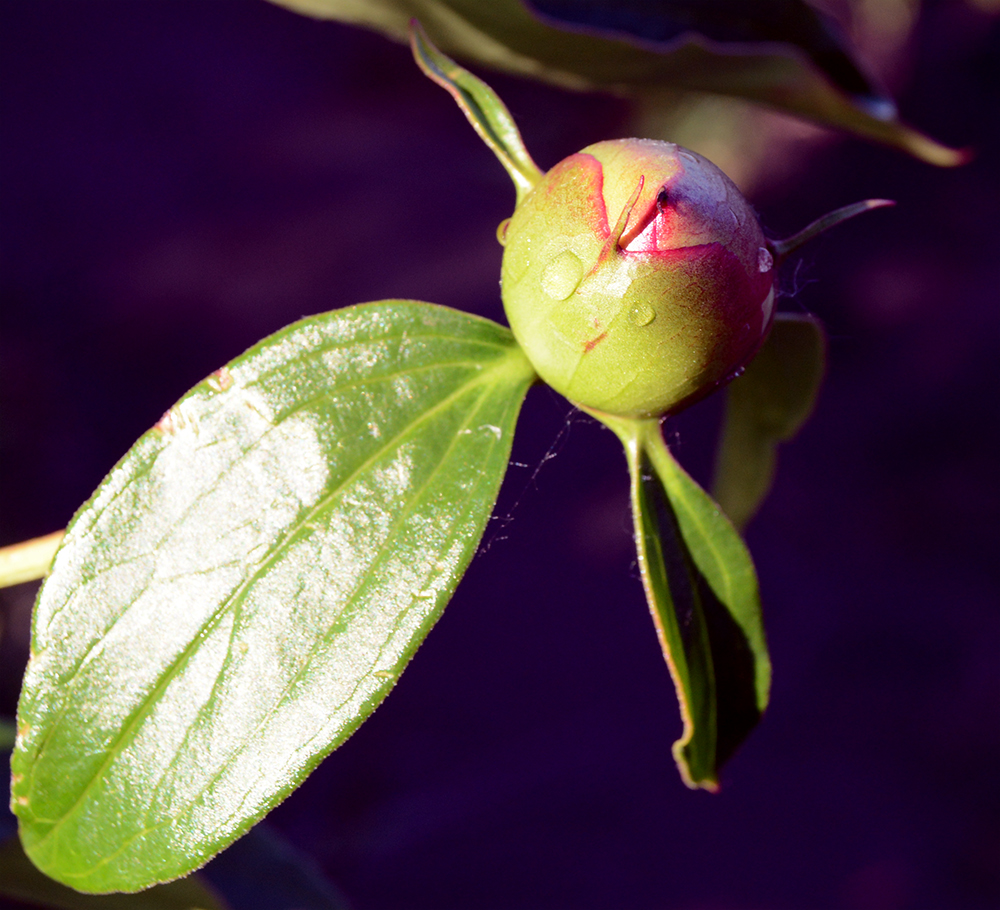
(636, 277)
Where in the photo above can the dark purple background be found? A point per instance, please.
(182, 178)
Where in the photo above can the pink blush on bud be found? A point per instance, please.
(656, 236)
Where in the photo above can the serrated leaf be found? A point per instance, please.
(482, 108)
(803, 72)
(248, 583)
(766, 406)
(702, 592)
(21, 881)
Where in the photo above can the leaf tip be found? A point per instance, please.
(933, 152)
(417, 34)
(870, 204)
(782, 249)
(704, 781)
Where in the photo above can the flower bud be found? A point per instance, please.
(636, 277)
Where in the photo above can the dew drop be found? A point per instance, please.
(765, 261)
(562, 275)
(642, 314)
(502, 231)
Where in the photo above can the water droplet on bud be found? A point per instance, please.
(641, 318)
(562, 275)
(642, 314)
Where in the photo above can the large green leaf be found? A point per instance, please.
(702, 592)
(250, 580)
(766, 406)
(778, 53)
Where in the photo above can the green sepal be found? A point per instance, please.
(482, 108)
(702, 592)
(248, 583)
(766, 406)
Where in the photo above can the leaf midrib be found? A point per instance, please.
(127, 729)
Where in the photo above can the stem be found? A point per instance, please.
(29, 559)
(783, 248)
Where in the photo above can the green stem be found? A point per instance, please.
(28, 560)
(783, 248)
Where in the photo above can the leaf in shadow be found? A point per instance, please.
(6, 735)
(263, 870)
(766, 406)
(791, 22)
(21, 881)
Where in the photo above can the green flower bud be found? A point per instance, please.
(636, 277)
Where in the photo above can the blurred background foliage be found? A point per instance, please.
(729, 79)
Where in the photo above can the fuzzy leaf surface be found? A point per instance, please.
(248, 583)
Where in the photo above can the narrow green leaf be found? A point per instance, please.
(482, 108)
(766, 406)
(702, 592)
(791, 73)
(250, 580)
(21, 881)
